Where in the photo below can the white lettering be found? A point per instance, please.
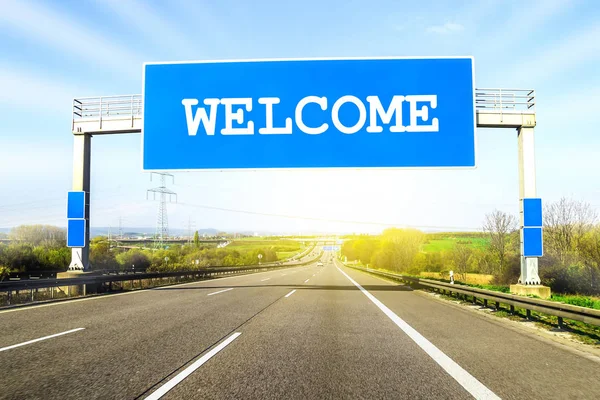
(193, 122)
(394, 110)
(269, 129)
(423, 113)
(362, 117)
(237, 116)
(321, 101)
(419, 109)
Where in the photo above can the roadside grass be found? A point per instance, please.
(582, 332)
(277, 245)
(471, 278)
(573, 299)
(495, 288)
(577, 300)
(253, 244)
(284, 255)
(284, 248)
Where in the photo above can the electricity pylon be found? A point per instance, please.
(162, 221)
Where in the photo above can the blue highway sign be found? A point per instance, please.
(532, 242)
(387, 112)
(76, 233)
(75, 205)
(532, 212)
(533, 245)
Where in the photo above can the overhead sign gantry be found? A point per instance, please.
(389, 112)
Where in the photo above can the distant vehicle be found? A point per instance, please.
(319, 264)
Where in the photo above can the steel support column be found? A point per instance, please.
(527, 189)
(82, 151)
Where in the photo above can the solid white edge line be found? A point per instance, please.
(40, 339)
(290, 293)
(161, 391)
(477, 389)
(220, 291)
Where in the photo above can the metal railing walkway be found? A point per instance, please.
(124, 114)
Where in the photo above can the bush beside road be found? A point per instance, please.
(570, 265)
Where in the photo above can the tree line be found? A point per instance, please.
(37, 248)
(34, 248)
(175, 258)
(571, 261)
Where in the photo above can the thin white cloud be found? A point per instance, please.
(64, 33)
(25, 88)
(507, 29)
(559, 57)
(538, 13)
(447, 28)
(153, 26)
(558, 108)
(221, 31)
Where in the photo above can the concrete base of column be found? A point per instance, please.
(540, 291)
(75, 290)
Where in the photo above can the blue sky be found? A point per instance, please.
(51, 52)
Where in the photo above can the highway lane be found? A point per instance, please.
(304, 332)
(22, 325)
(332, 343)
(514, 364)
(324, 341)
(130, 342)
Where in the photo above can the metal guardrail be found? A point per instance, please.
(560, 310)
(103, 283)
(29, 275)
(505, 100)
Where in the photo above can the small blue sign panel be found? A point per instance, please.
(76, 233)
(380, 112)
(331, 248)
(532, 242)
(76, 205)
(532, 212)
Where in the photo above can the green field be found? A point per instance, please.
(284, 248)
(448, 243)
(284, 255)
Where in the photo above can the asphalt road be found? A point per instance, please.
(303, 332)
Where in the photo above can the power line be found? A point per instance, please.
(50, 217)
(324, 219)
(53, 206)
(62, 199)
